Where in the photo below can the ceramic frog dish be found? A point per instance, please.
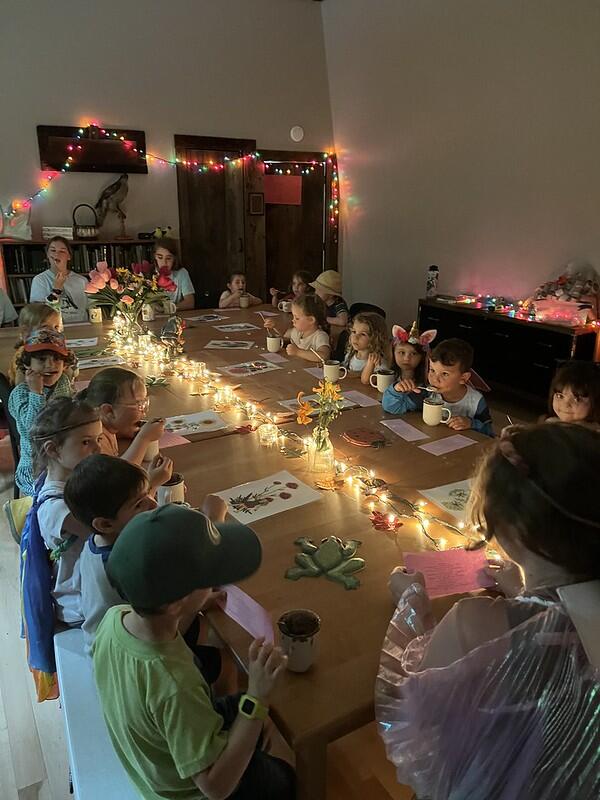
(333, 558)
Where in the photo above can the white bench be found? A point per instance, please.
(96, 772)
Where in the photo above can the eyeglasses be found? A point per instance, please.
(141, 405)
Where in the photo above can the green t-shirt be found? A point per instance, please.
(157, 708)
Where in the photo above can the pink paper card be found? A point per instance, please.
(249, 614)
(447, 445)
(317, 372)
(452, 571)
(362, 400)
(275, 358)
(404, 430)
(81, 385)
(169, 439)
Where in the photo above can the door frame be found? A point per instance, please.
(331, 200)
(254, 225)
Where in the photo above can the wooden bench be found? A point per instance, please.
(96, 772)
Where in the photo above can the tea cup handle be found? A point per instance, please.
(448, 418)
(341, 377)
(373, 376)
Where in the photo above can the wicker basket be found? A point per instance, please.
(85, 231)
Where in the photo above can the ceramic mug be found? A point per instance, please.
(332, 371)
(244, 301)
(169, 307)
(147, 312)
(383, 379)
(95, 315)
(298, 630)
(285, 306)
(172, 491)
(274, 344)
(151, 451)
(433, 412)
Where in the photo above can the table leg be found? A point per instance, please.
(311, 770)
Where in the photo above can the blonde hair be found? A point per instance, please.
(379, 341)
(35, 315)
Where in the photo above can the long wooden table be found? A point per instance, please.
(336, 696)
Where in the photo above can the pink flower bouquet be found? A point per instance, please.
(125, 290)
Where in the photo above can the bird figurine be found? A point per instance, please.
(110, 200)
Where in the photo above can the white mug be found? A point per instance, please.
(147, 312)
(169, 307)
(382, 379)
(95, 315)
(332, 371)
(433, 413)
(244, 301)
(172, 491)
(274, 344)
(285, 306)
(151, 451)
(298, 630)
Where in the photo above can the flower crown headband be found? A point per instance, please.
(413, 337)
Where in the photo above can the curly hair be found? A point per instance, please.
(23, 359)
(313, 306)
(379, 340)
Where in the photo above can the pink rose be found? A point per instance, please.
(102, 266)
(113, 283)
(127, 300)
(97, 279)
(91, 289)
(120, 288)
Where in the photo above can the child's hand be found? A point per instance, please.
(152, 430)
(407, 385)
(507, 576)
(266, 663)
(459, 423)
(400, 580)
(215, 508)
(269, 324)
(35, 381)
(214, 599)
(273, 292)
(373, 360)
(160, 470)
(291, 349)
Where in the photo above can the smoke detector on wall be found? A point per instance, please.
(296, 133)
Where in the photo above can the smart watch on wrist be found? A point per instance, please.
(251, 708)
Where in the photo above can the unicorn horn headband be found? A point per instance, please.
(413, 337)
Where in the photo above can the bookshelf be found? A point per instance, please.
(21, 261)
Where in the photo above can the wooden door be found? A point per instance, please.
(295, 233)
(217, 233)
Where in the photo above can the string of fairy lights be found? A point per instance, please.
(94, 130)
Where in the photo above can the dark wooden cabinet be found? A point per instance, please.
(510, 353)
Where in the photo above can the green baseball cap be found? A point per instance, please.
(165, 554)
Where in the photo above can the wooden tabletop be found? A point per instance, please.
(336, 695)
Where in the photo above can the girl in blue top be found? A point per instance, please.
(43, 360)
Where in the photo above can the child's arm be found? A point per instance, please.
(159, 471)
(221, 778)
(255, 301)
(229, 299)
(25, 403)
(481, 422)
(401, 402)
(150, 431)
(274, 297)
(308, 355)
(340, 320)
(369, 368)
(187, 302)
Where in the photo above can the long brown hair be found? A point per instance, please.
(108, 386)
(171, 245)
(542, 482)
(583, 379)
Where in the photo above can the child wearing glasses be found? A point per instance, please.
(122, 399)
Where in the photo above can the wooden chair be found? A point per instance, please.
(15, 512)
(5, 390)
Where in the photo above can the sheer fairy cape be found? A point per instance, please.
(517, 718)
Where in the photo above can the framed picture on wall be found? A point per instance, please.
(256, 203)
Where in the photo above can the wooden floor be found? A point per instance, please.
(33, 756)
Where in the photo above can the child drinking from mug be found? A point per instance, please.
(32, 316)
(173, 279)
(43, 361)
(410, 352)
(449, 374)
(104, 493)
(122, 398)
(368, 348)
(300, 285)
(307, 338)
(575, 393)
(236, 289)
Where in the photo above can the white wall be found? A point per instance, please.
(468, 133)
(239, 68)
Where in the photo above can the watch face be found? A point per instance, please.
(248, 706)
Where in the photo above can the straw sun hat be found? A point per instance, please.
(329, 281)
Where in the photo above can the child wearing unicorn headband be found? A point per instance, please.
(410, 352)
